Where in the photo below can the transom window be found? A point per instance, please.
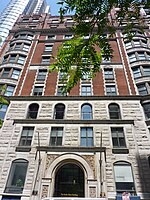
(26, 136)
(56, 136)
(17, 175)
(118, 138)
(86, 112)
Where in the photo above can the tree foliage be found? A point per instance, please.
(79, 55)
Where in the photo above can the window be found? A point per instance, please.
(3, 109)
(123, 178)
(9, 90)
(132, 57)
(38, 91)
(45, 59)
(56, 136)
(5, 72)
(118, 138)
(48, 47)
(114, 111)
(146, 71)
(60, 91)
(142, 89)
(86, 137)
(68, 36)
(146, 107)
(136, 72)
(59, 111)
(42, 74)
(108, 74)
(21, 59)
(33, 111)
(12, 58)
(26, 47)
(17, 175)
(51, 37)
(111, 90)
(26, 136)
(86, 90)
(86, 112)
(15, 74)
(128, 45)
(141, 56)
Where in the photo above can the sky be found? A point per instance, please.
(53, 5)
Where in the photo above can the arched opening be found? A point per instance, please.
(59, 111)
(69, 181)
(33, 111)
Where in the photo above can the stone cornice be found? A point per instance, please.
(76, 98)
(65, 121)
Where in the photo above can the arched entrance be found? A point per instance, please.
(69, 181)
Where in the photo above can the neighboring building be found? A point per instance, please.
(92, 143)
(16, 7)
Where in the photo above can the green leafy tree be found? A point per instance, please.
(80, 56)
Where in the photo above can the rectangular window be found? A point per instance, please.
(68, 36)
(48, 47)
(108, 74)
(38, 91)
(86, 90)
(146, 71)
(137, 72)
(26, 47)
(45, 59)
(111, 90)
(132, 57)
(9, 90)
(15, 74)
(51, 37)
(21, 59)
(26, 136)
(56, 136)
(128, 45)
(142, 89)
(42, 74)
(141, 56)
(60, 91)
(5, 73)
(3, 109)
(12, 58)
(86, 137)
(118, 138)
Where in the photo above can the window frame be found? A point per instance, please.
(86, 115)
(26, 136)
(55, 138)
(86, 137)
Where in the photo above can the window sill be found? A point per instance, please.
(23, 148)
(120, 150)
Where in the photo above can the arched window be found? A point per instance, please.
(86, 112)
(114, 111)
(33, 111)
(59, 111)
(124, 177)
(146, 107)
(17, 176)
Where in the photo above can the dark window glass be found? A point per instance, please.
(33, 111)
(108, 74)
(17, 176)
(5, 73)
(56, 136)
(26, 136)
(59, 111)
(146, 107)
(38, 91)
(118, 138)
(111, 90)
(86, 112)
(114, 111)
(42, 74)
(142, 89)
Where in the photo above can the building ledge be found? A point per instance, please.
(23, 148)
(120, 150)
(62, 121)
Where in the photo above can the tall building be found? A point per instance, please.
(16, 7)
(91, 143)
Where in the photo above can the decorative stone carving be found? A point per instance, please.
(92, 192)
(91, 161)
(50, 159)
(44, 191)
